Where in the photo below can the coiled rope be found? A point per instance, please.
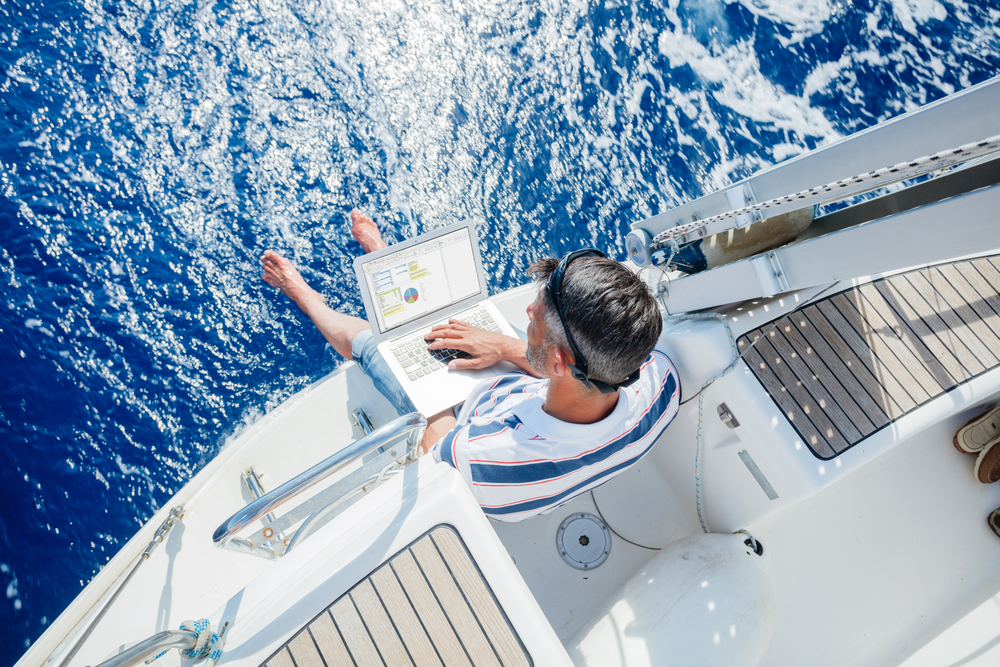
(208, 645)
(899, 172)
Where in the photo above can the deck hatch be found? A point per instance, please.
(853, 363)
(428, 605)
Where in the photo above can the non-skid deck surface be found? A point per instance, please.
(853, 363)
(427, 606)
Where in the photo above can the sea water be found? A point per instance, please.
(151, 151)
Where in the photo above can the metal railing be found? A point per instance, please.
(175, 515)
(225, 536)
(163, 641)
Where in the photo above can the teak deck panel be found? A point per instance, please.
(427, 606)
(851, 364)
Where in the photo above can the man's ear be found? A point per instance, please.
(561, 361)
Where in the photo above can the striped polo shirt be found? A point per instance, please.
(521, 461)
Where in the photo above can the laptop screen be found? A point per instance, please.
(421, 279)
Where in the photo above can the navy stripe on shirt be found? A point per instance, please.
(570, 493)
(510, 421)
(497, 391)
(511, 474)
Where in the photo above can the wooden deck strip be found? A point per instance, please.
(878, 307)
(427, 606)
(948, 357)
(480, 599)
(952, 332)
(379, 625)
(985, 279)
(854, 362)
(965, 330)
(793, 339)
(975, 299)
(990, 273)
(438, 626)
(280, 659)
(793, 412)
(817, 388)
(328, 640)
(969, 306)
(304, 651)
(886, 347)
(881, 369)
(886, 339)
(359, 643)
(808, 406)
(848, 368)
(412, 632)
(453, 602)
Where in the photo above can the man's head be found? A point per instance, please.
(612, 317)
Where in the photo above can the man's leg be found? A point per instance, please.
(350, 336)
(338, 329)
(342, 331)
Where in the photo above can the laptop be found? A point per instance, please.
(410, 287)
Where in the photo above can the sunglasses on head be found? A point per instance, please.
(579, 369)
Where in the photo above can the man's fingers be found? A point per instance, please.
(451, 324)
(449, 344)
(464, 364)
(440, 334)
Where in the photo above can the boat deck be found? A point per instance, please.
(427, 605)
(851, 364)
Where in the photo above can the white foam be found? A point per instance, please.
(802, 17)
(735, 79)
(911, 12)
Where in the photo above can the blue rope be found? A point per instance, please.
(737, 356)
(701, 397)
(209, 644)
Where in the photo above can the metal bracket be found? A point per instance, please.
(727, 417)
(362, 421)
(256, 489)
(741, 197)
(770, 274)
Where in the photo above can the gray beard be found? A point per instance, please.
(536, 356)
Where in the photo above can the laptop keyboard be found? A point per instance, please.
(418, 361)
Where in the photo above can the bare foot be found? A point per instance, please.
(365, 232)
(280, 273)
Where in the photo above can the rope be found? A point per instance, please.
(635, 544)
(898, 172)
(697, 440)
(701, 392)
(208, 645)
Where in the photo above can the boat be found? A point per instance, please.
(806, 506)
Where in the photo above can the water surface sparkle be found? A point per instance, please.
(151, 151)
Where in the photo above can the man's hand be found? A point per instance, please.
(485, 348)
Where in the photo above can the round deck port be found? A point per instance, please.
(583, 540)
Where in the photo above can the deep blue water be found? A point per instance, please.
(150, 151)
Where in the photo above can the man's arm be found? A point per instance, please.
(485, 347)
(438, 426)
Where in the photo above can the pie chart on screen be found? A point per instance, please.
(411, 295)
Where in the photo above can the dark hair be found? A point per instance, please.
(612, 316)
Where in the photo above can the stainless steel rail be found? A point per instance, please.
(412, 424)
(163, 641)
(176, 514)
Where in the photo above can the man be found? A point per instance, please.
(593, 398)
